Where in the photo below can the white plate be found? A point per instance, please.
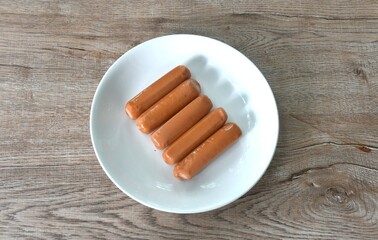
(230, 80)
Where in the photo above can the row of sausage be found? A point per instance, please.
(191, 136)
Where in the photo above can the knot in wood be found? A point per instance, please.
(337, 195)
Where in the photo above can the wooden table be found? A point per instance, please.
(319, 57)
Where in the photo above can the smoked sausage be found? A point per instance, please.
(207, 151)
(157, 90)
(195, 136)
(181, 122)
(168, 106)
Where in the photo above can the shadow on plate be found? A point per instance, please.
(222, 92)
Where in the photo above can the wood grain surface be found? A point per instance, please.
(319, 57)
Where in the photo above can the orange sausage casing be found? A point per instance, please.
(195, 136)
(153, 93)
(207, 151)
(168, 106)
(181, 122)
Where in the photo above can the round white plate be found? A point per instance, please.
(230, 80)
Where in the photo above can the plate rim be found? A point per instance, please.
(202, 209)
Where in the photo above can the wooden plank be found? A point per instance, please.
(320, 59)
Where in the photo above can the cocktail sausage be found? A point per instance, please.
(168, 106)
(195, 136)
(157, 90)
(207, 151)
(181, 122)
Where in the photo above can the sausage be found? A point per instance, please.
(207, 151)
(168, 106)
(195, 136)
(181, 122)
(157, 90)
